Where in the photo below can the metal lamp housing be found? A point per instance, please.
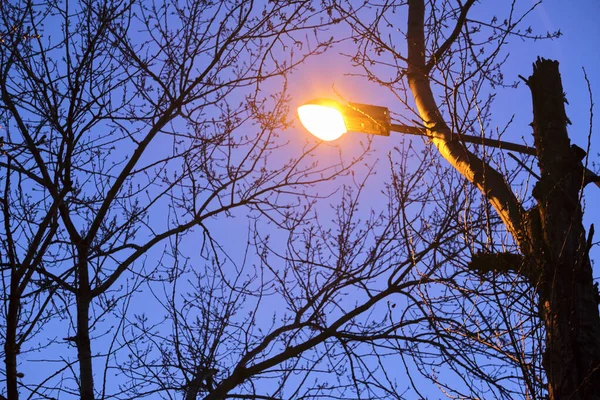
(323, 118)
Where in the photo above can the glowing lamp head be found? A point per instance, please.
(323, 119)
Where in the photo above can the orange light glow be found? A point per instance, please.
(326, 123)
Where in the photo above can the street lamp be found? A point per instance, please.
(328, 120)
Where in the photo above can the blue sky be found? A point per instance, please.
(322, 75)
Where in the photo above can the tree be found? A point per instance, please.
(447, 63)
(117, 143)
(129, 128)
(161, 238)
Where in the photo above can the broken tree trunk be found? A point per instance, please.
(558, 248)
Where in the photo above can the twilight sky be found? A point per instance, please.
(323, 75)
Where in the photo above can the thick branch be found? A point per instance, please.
(489, 181)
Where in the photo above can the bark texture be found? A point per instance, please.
(477, 171)
(567, 296)
(10, 348)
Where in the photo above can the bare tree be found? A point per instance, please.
(314, 314)
(127, 124)
(133, 131)
(538, 310)
(162, 238)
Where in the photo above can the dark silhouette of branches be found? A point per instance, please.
(127, 125)
(162, 237)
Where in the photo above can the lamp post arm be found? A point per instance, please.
(413, 130)
(589, 175)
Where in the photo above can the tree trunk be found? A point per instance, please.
(568, 302)
(84, 348)
(10, 345)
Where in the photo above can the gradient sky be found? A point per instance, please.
(578, 48)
